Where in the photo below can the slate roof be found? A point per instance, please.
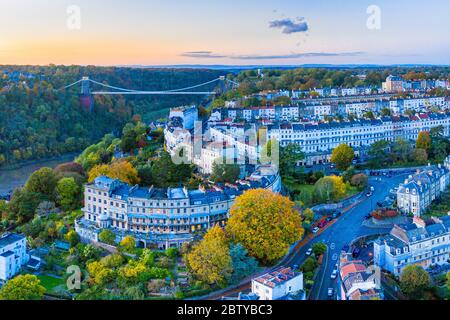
(10, 239)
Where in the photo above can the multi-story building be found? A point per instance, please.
(416, 243)
(278, 284)
(356, 281)
(417, 193)
(162, 217)
(393, 84)
(319, 139)
(422, 104)
(187, 116)
(13, 255)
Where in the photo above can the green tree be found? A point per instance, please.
(225, 172)
(414, 280)
(319, 248)
(343, 156)
(42, 181)
(309, 265)
(23, 204)
(22, 287)
(243, 265)
(420, 156)
(379, 154)
(331, 188)
(72, 237)
(68, 194)
(107, 236)
(265, 223)
(289, 157)
(360, 180)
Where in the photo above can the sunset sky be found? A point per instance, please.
(238, 32)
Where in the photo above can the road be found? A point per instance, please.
(338, 234)
(343, 232)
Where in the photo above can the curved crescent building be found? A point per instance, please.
(162, 218)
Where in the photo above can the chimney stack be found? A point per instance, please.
(419, 222)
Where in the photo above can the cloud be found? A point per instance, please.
(202, 54)
(209, 54)
(296, 55)
(289, 26)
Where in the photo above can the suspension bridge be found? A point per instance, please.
(86, 83)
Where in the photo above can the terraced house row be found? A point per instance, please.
(162, 217)
(318, 139)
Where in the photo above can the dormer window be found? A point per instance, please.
(407, 190)
(405, 249)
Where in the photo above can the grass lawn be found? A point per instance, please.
(50, 283)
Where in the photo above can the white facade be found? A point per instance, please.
(321, 111)
(162, 217)
(13, 255)
(277, 284)
(188, 115)
(418, 192)
(414, 244)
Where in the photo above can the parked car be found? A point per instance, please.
(316, 229)
(334, 274)
(369, 194)
(356, 252)
(329, 219)
(330, 292)
(322, 223)
(309, 252)
(336, 214)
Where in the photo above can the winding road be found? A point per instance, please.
(336, 235)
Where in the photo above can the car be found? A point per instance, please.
(316, 229)
(309, 252)
(295, 267)
(334, 274)
(329, 219)
(372, 189)
(322, 223)
(336, 214)
(356, 252)
(369, 194)
(330, 292)
(367, 217)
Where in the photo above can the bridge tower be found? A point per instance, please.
(85, 86)
(86, 99)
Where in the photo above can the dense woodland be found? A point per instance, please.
(38, 121)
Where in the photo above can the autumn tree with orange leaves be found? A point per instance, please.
(122, 170)
(265, 223)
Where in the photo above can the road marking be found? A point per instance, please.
(335, 257)
(333, 246)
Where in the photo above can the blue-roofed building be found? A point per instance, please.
(162, 217)
(13, 255)
(417, 243)
(417, 193)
